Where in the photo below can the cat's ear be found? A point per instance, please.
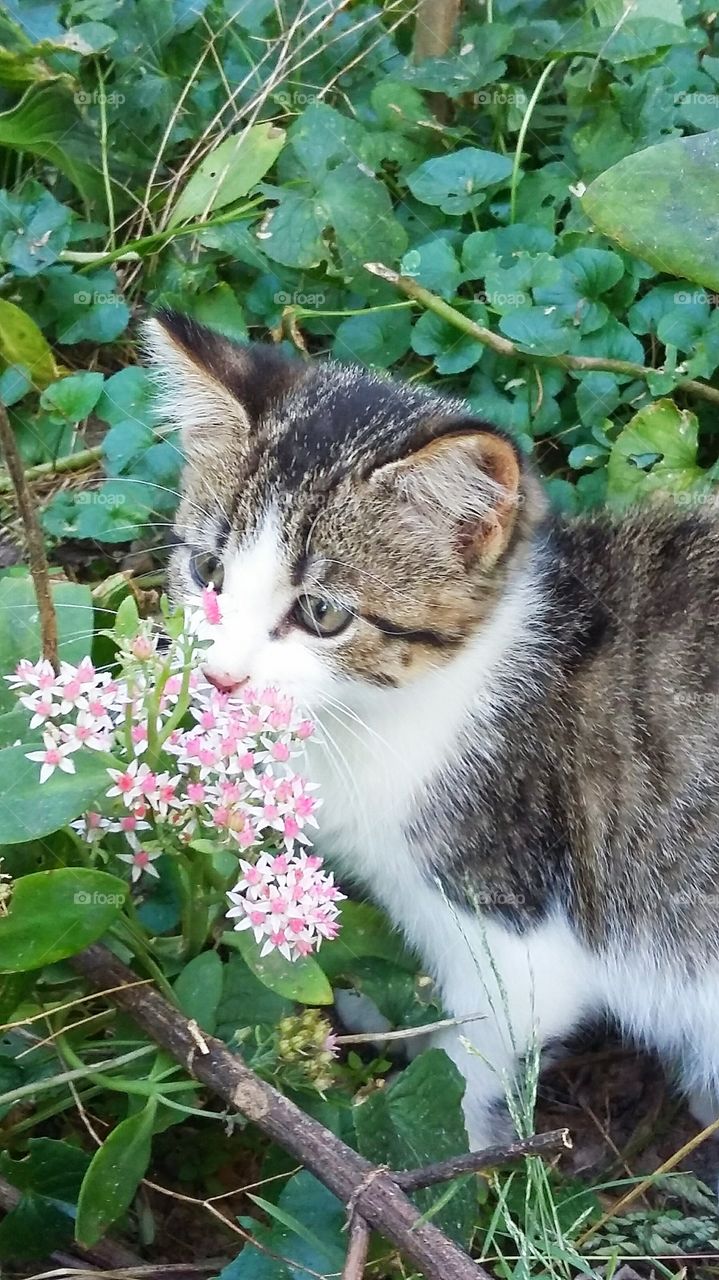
(213, 389)
(465, 485)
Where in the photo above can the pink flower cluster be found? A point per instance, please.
(289, 903)
(188, 763)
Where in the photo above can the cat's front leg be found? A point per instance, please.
(530, 987)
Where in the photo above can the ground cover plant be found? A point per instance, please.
(521, 212)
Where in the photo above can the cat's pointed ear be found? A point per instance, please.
(464, 484)
(213, 389)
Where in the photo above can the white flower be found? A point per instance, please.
(55, 756)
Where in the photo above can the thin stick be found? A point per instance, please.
(35, 543)
(503, 346)
(357, 1250)
(542, 1144)
(371, 1191)
(406, 1033)
(61, 466)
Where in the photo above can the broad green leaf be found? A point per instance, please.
(229, 172)
(118, 511)
(540, 330)
(365, 931)
(663, 432)
(114, 1175)
(198, 989)
(306, 1234)
(359, 210)
(458, 182)
(54, 914)
(74, 397)
(416, 1120)
(301, 980)
(377, 338)
(50, 1168)
(20, 627)
(22, 343)
(661, 204)
(246, 1002)
(452, 350)
(34, 1229)
(220, 309)
(29, 810)
(433, 264)
(322, 138)
(291, 233)
(46, 123)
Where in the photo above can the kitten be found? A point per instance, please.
(521, 756)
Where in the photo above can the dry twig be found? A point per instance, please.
(35, 542)
(373, 1193)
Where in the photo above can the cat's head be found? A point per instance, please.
(360, 531)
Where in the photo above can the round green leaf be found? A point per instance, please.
(54, 914)
(29, 810)
(662, 203)
(457, 182)
(300, 980)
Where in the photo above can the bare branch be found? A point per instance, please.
(542, 1144)
(371, 1192)
(34, 540)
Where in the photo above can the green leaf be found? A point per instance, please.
(322, 138)
(229, 172)
(541, 330)
(433, 264)
(661, 205)
(291, 233)
(114, 1175)
(415, 1121)
(46, 123)
(246, 1002)
(301, 980)
(20, 626)
(377, 338)
(663, 432)
(365, 931)
(453, 351)
(306, 1234)
(359, 210)
(21, 342)
(73, 398)
(33, 1229)
(54, 914)
(50, 1168)
(221, 309)
(29, 810)
(198, 989)
(459, 181)
(15, 383)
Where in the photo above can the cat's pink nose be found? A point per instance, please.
(223, 681)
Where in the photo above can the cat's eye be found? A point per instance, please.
(207, 569)
(320, 616)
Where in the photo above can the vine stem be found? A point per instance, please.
(35, 542)
(522, 135)
(504, 347)
(61, 466)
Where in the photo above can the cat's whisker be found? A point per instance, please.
(343, 709)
